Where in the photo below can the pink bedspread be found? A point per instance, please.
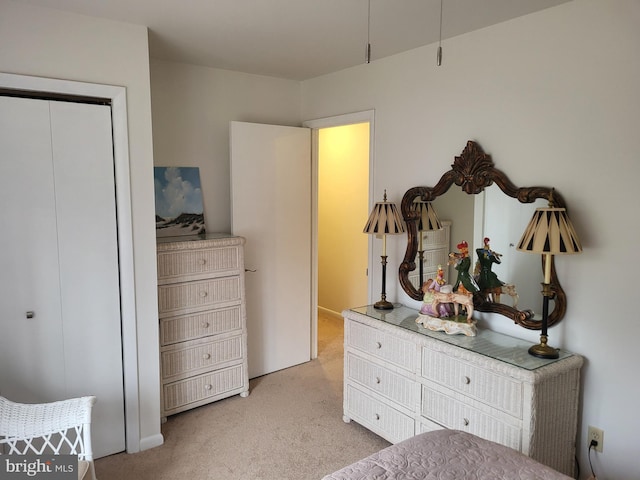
(447, 455)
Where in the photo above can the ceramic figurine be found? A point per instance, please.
(487, 279)
(438, 301)
(490, 285)
(440, 276)
(429, 289)
(465, 284)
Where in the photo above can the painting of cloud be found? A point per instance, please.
(179, 208)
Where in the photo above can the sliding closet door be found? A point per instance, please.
(85, 196)
(31, 357)
(60, 261)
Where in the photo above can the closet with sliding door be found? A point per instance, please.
(60, 315)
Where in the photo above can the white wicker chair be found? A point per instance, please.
(62, 427)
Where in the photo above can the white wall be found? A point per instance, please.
(554, 98)
(192, 108)
(49, 43)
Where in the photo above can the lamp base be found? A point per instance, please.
(542, 350)
(383, 305)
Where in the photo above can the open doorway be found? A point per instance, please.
(343, 159)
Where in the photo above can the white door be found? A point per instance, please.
(271, 208)
(60, 260)
(30, 353)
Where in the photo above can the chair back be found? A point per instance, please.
(62, 427)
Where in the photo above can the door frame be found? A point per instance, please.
(117, 96)
(365, 116)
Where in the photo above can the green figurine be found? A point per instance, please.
(464, 282)
(487, 279)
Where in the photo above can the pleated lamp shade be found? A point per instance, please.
(384, 219)
(428, 217)
(550, 231)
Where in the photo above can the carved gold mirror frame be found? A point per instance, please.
(473, 171)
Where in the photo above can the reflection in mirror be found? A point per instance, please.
(489, 206)
(490, 214)
(502, 220)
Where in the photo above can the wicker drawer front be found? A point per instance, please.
(198, 263)
(203, 386)
(198, 325)
(459, 413)
(435, 257)
(498, 391)
(196, 296)
(377, 416)
(200, 356)
(437, 237)
(382, 345)
(396, 387)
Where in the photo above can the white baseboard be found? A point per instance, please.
(330, 313)
(151, 442)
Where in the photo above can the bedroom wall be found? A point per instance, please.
(49, 43)
(192, 107)
(553, 97)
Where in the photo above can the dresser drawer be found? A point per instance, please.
(201, 387)
(198, 325)
(396, 387)
(499, 391)
(377, 416)
(199, 295)
(383, 345)
(457, 412)
(198, 356)
(198, 263)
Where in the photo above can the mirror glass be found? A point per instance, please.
(472, 218)
(487, 206)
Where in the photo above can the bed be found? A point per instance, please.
(447, 455)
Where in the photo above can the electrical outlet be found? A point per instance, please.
(597, 435)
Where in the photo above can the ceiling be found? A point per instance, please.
(296, 39)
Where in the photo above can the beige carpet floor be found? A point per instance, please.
(289, 428)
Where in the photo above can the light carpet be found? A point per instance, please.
(289, 428)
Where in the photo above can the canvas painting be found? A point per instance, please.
(179, 209)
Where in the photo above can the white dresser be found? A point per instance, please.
(202, 312)
(401, 379)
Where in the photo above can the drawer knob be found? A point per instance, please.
(202, 261)
(203, 293)
(466, 422)
(207, 387)
(377, 379)
(467, 380)
(205, 324)
(378, 345)
(206, 356)
(377, 415)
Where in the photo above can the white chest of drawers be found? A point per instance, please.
(401, 380)
(202, 315)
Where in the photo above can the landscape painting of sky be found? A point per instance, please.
(178, 197)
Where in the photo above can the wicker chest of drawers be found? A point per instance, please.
(401, 380)
(202, 315)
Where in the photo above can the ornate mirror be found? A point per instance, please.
(488, 207)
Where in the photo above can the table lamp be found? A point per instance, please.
(384, 220)
(549, 233)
